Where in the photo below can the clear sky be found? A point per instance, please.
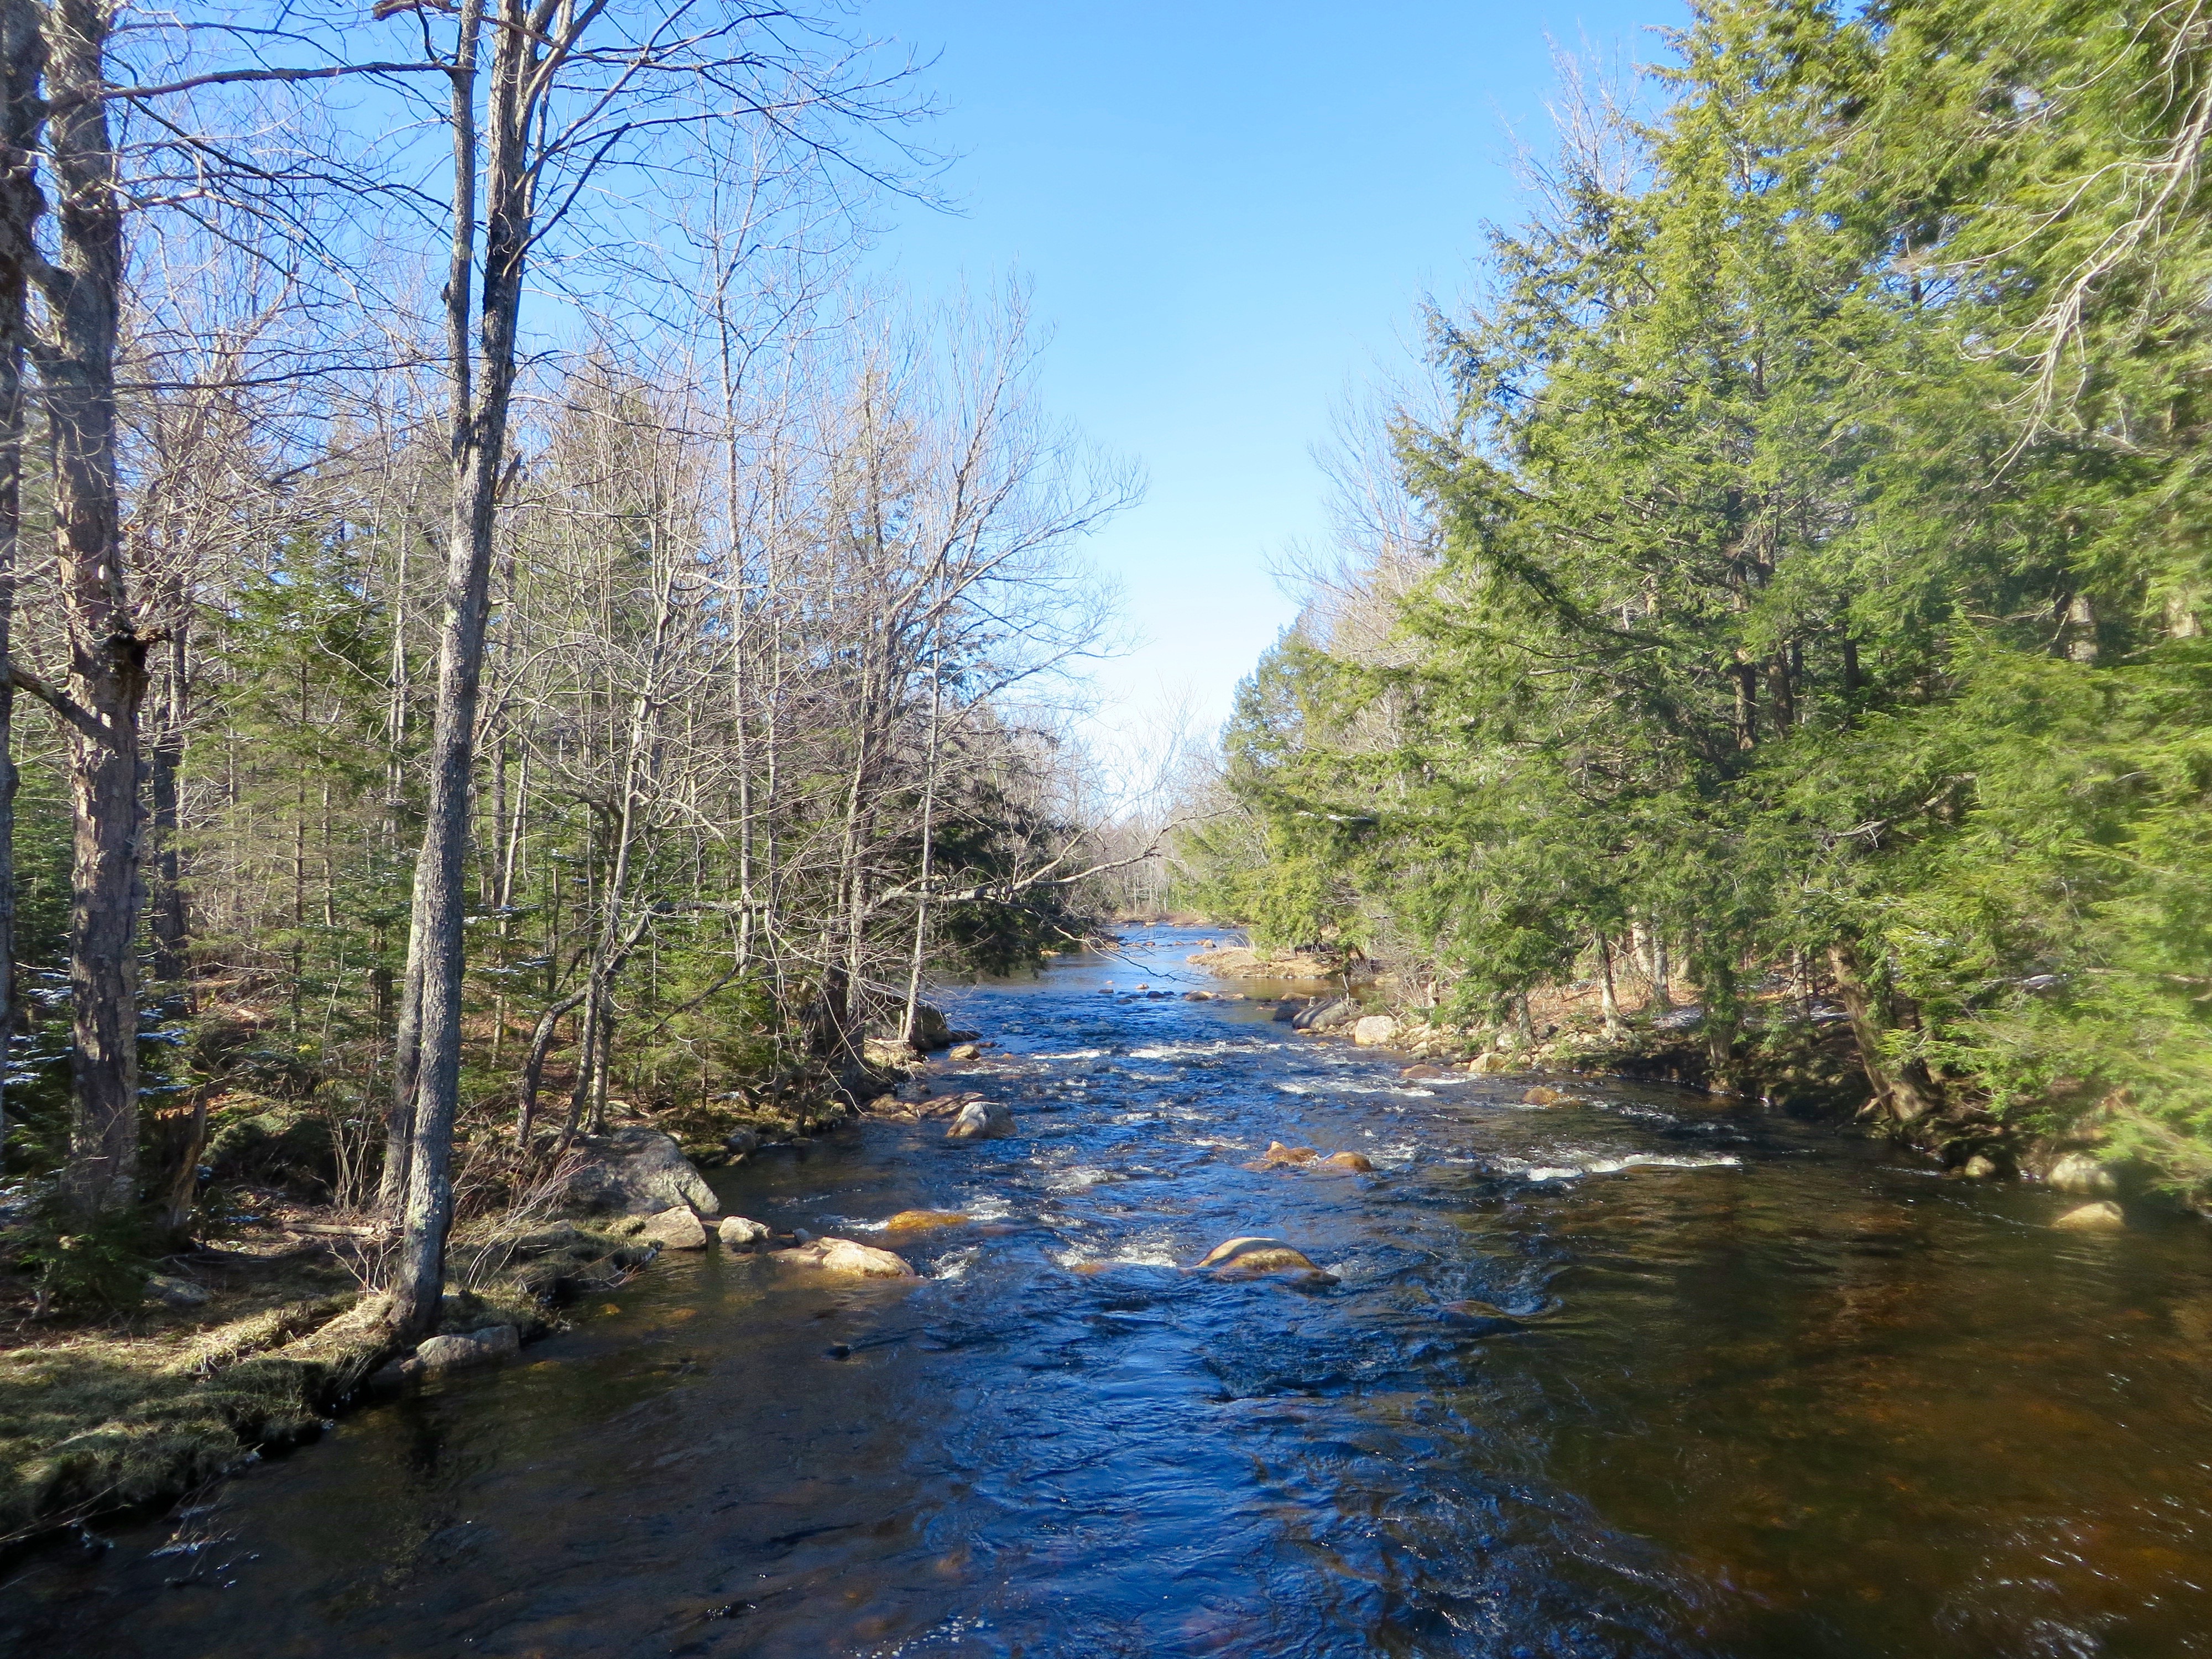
(1230, 212)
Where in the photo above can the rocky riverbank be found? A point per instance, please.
(1801, 1062)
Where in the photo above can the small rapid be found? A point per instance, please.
(1642, 1373)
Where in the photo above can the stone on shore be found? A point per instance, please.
(2100, 1217)
(736, 1232)
(982, 1120)
(844, 1257)
(488, 1346)
(674, 1229)
(173, 1292)
(1490, 1063)
(637, 1171)
(1374, 1030)
(1326, 1015)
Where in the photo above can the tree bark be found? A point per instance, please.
(22, 55)
(106, 684)
(477, 445)
(1906, 1093)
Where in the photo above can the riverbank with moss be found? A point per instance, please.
(129, 1379)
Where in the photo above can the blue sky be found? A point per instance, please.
(1229, 213)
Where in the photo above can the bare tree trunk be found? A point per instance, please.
(1611, 1000)
(929, 846)
(106, 684)
(165, 921)
(478, 448)
(21, 54)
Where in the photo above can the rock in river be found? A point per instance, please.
(637, 1171)
(923, 1221)
(2105, 1217)
(1358, 1161)
(1374, 1030)
(982, 1120)
(488, 1346)
(1256, 1257)
(738, 1233)
(842, 1255)
(675, 1229)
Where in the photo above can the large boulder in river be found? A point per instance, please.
(637, 1171)
(982, 1120)
(1374, 1030)
(844, 1257)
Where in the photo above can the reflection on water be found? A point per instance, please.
(1635, 1376)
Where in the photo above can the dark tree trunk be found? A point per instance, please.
(1906, 1093)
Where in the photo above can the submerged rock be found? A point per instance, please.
(922, 1221)
(1374, 1030)
(982, 1120)
(2105, 1217)
(488, 1346)
(637, 1171)
(674, 1229)
(738, 1233)
(1543, 1094)
(843, 1256)
(1257, 1257)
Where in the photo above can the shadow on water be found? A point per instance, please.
(1633, 1376)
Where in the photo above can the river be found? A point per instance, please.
(1741, 1388)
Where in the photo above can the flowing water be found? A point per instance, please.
(1738, 1388)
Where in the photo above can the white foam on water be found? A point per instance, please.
(1080, 1179)
(1614, 1165)
(954, 1263)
